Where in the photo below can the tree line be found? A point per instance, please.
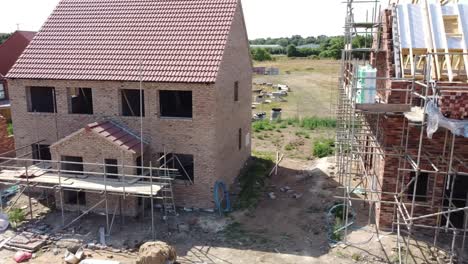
(296, 40)
(328, 46)
(4, 37)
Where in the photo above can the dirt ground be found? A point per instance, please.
(280, 230)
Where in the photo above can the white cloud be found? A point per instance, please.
(27, 14)
(282, 18)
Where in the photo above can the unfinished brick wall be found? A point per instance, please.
(383, 59)
(454, 104)
(391, 132)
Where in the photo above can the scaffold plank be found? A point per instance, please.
(384, 108)
(91, 183)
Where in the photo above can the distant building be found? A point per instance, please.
(272, 71)
(266, 70)
(259, 70)
(10, 51)
(309, 46)
(266, 46)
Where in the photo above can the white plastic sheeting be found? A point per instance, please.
(435, 119)
(424, 29)
(412, 26)
(4, 223)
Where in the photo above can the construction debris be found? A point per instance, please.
(297, 195)
(21, 256)
(74, 257)
(102, 236)
(99, 261)
(71, 245)
(259, 116)
(8, 193)
(26, 241)
(156, 253)
(4, 223)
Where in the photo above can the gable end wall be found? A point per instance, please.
(235, 66)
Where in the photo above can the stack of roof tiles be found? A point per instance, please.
(159, 40)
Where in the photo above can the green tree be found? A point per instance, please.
(333, 48)
(296, 40)
(261, 54)
(283, 42)
(330, 47)
(4, 37)
(292, 51)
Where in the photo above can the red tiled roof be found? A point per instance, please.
(117, 135)
(12, 48)
(175, 40)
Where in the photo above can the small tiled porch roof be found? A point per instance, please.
(114, 133)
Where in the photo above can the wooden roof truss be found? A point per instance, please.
(438, 29)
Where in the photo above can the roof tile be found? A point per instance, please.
(108, 39)
(117, 134)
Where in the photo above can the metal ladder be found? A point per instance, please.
(168, 199)
(396, 43)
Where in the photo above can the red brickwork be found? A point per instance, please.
(389, 133)
(383, 58)
(454, 104)
(390, 130)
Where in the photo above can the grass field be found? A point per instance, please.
(313, 86)
(293, 137)
(308, 111)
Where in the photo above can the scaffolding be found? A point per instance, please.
(153, 182)
(361, 152)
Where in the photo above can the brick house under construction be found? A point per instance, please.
(123, 83)
(407, 150)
